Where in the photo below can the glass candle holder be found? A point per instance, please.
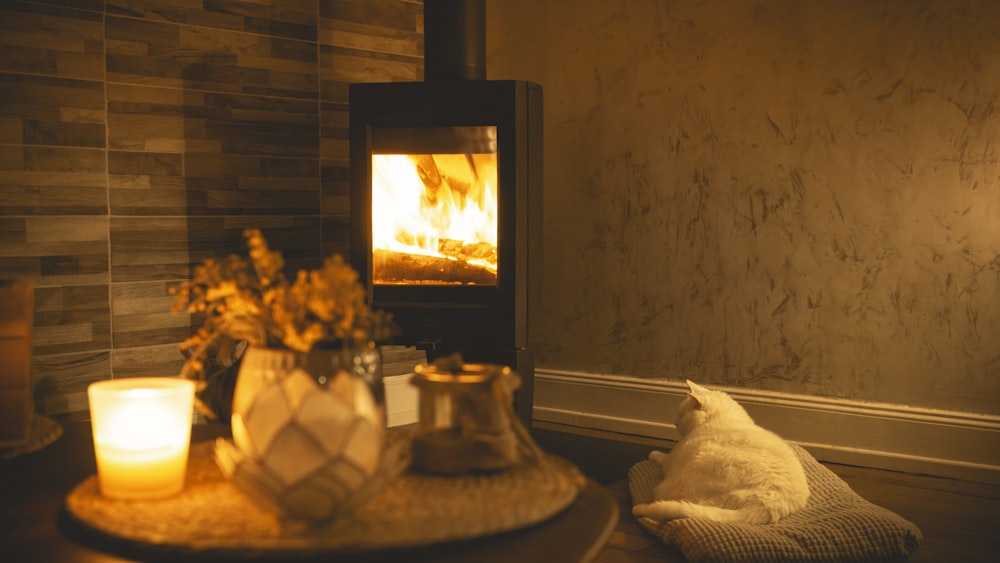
(142, 434)
(466, 417)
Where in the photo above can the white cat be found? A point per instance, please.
(725, 467)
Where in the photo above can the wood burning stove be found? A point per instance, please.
(446, 200)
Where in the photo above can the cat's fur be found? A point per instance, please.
(725, 467)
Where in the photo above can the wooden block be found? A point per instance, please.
(16, 319)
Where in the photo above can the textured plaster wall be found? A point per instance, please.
(796, 195)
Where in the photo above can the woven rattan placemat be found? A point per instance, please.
(44, 431)
(212, 516)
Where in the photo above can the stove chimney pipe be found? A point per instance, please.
(454, 40)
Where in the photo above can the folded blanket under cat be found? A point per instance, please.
(836, 525)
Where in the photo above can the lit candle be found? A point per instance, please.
(142, 431)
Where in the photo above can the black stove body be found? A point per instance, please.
(455, 152)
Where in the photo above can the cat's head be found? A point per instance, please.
(703, 405)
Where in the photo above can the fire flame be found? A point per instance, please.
(437, 205)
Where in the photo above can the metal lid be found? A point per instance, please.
(451, 369)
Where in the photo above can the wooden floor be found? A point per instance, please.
(960, 520)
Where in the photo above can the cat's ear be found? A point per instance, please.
(697, 393)
(696, 402)
(695, 388)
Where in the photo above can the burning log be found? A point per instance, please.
(459, 250)
(429, 174)
(394, 267)
(449, 180)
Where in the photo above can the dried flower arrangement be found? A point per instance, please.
(253, 303)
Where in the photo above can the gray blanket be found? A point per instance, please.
(837, 525)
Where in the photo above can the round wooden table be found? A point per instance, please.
(34, 525)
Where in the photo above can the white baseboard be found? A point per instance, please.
(400, 400)
(896, 437)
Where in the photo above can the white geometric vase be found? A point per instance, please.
(308, 430)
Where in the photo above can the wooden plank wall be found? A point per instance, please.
(138, 138)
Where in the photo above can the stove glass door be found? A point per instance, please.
(434, 206)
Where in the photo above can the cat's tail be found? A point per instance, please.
(663, 510)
